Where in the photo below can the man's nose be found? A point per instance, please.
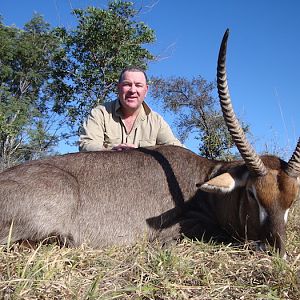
(133, 88)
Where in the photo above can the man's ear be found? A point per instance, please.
(224, 183)
(147, 89)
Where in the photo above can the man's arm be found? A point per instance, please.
(92, 132)
(165, 135)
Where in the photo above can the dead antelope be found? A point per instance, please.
(115, 198)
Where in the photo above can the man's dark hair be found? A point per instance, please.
(133, 69)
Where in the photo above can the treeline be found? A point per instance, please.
(51, 77)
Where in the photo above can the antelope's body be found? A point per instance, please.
(109, 198)
(99, 198)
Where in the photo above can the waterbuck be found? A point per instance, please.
(115, 198)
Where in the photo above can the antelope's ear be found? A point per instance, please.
(223, 183)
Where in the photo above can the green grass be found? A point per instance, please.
(188, 270)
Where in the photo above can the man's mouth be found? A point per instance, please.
(130, 98)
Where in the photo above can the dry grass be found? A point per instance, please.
(189, 270)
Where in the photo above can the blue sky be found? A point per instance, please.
(263, 53)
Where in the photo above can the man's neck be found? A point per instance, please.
(129, 118)
(130, 114)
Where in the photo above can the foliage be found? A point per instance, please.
(25, 67)
(187, 270)
(51, 78)
(195, 107)
(102, 44)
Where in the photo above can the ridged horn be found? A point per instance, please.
(253, 162)
(293, 168)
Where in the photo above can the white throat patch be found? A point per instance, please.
(262, 212)
(286, 214)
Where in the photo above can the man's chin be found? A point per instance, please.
(131, 101)
(131, 105)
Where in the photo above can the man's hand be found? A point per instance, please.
(123, 147)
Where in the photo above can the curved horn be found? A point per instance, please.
(293, 168)
(252, 160)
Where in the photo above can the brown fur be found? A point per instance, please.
(115, 198)
(267, 188)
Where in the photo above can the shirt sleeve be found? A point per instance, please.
(92, 132)
(165, 135)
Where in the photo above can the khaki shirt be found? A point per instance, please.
(105, 129)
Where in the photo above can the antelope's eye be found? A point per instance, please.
(251, 194)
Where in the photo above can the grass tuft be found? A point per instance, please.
(188, 270)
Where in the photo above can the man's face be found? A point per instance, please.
(132, 90)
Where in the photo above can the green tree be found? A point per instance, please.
(101, 45)
(51, 78)
(26, 58)
(196, 110)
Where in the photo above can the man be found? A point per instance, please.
(127, 122)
